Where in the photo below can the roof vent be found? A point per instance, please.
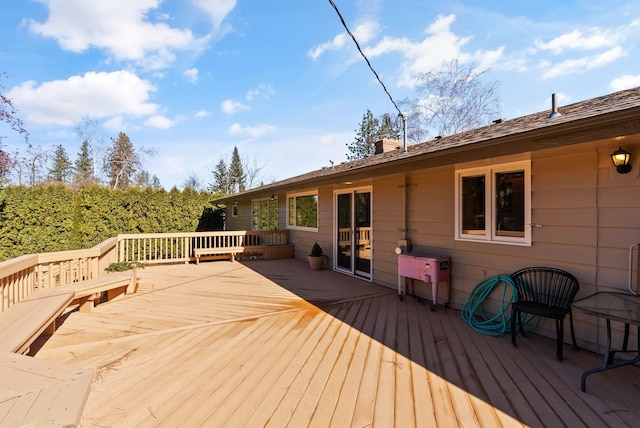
(554, 108)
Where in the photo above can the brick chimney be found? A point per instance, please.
(387, 145)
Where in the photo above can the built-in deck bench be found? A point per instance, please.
(89, 292)
(221, 251)
(269, 252)
(23, 322)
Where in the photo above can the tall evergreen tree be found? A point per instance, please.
(122, 162)
(229, 178)
(61, 169)
(221, 181)
(236, 172)
(84, 173)
(155, 183)
(366, 135)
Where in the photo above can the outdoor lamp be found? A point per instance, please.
(620, 159)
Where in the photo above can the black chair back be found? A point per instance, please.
(545, 292)
(545, 285)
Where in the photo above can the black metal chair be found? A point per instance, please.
(545, 292)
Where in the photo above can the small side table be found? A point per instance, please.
(622, 307)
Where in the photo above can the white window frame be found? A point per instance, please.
(490, 234)
(297, 195)
(234, 209)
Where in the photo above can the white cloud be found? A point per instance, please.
(233, 107)
(388, 45)
(366, 31)
(251, 131)
(263, 91)
(363, 33)
(337, 43)
(121, 30)
(191, 75)
(604, 46)
(159, 122)
(216, 9)
(440, 45)
(583, 64)
(593, 38)
(114, 124)
(99, 95)
(202, 113)
(626, 81)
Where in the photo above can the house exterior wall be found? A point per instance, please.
(243, 220)
(589, 216)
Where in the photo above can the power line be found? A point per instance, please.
(344, 24)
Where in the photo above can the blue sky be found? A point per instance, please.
(280, 79)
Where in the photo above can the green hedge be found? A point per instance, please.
(53, 218)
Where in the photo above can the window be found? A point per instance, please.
(234, 209)
(264, 214)
(494, 203)
(302, 211)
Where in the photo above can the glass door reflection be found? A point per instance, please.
(353, 243)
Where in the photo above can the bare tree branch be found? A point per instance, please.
(454, 99)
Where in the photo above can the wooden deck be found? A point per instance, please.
(271, 343)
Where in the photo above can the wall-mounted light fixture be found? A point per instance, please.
(621, 159)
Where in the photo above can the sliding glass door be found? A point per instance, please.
(353, 228)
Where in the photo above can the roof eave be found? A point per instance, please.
(606, 125)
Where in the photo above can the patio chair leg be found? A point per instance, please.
(514, 313)
(522, 332)
(573, 334)
(559, 338)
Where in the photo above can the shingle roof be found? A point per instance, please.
(627, 100)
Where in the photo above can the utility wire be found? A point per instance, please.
(344, 24)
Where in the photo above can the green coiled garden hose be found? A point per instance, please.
(494, 325)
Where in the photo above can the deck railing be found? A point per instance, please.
(19, 277)
(178, 247)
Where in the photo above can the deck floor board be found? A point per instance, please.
(271, 343)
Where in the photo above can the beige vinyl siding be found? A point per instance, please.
(387, 225)
(303, 240)
(431, 210)
(243, 220)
